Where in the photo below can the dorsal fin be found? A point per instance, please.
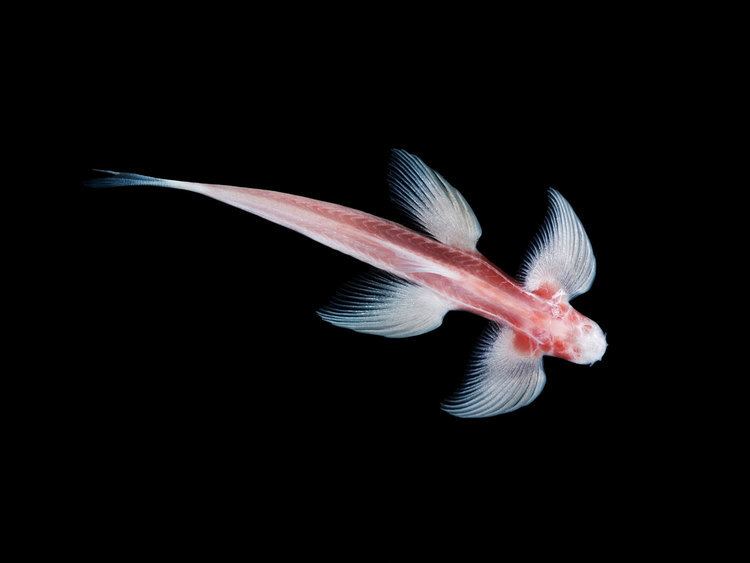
(435, 205)
(561, 258)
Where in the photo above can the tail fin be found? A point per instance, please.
(124, 179)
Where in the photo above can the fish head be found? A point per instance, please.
(588, 341)
(573, 336)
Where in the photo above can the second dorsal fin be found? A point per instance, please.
(435, 205)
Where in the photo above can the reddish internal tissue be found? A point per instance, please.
(525, 345)
(546, 290)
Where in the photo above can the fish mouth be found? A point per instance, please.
(601, 349)
(594, 349)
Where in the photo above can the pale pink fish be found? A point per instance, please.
(431, 275)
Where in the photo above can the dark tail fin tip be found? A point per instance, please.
(114, 179)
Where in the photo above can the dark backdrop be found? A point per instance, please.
(189, 326)
(200, 319)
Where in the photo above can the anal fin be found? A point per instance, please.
(386, 305)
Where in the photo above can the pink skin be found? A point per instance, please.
(544, 323)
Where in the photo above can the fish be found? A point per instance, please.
(423, 273)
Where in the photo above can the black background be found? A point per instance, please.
(197, 364)
(199, 320)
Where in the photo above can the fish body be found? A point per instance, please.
(429, 275)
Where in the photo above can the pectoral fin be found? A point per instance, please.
(502, 379)
(561, 258)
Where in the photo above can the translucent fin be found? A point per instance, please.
(500, 381)
(386, 305)
(561, 257)
(114, 179)
(433, 203)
